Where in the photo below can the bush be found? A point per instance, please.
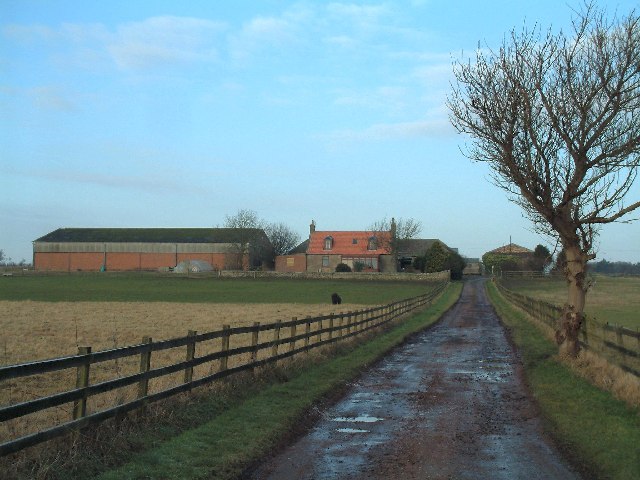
(343, 267)
(438, 258)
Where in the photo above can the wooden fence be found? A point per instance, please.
(268, 343)
(619, 345)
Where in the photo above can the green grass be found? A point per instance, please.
(597, 430)
(155, 288)
(248, 427)
(615, 300)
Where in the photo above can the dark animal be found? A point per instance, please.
(335, 299)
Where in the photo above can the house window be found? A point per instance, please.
(373, 243)
(328, 243)
(325, 261)
(354, 241)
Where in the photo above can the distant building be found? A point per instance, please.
(410, 249)
(365, 250)
(324, 250)
(508, 257)
(125, 249)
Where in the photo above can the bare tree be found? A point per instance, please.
(282, 238)
(248, 236)
(557, 119)
(398, 233)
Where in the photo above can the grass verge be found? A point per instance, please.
(593, 428)
(248, 426)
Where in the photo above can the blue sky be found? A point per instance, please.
(176, 114)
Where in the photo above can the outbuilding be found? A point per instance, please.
(128, 249)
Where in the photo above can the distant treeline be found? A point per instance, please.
(615, 268)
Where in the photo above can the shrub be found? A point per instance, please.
(438, 258)
(343, 267)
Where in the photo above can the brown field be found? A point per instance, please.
(39, 330)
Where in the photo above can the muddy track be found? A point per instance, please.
(449, 404)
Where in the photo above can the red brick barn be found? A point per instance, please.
(124, 249)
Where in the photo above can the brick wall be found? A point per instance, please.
(291, 263)
(314, 263)
(116, 261)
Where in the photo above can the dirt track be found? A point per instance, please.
(450, 404)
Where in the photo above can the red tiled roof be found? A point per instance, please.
(343, 243)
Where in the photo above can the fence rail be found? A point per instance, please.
(280, 340)
(617, 344)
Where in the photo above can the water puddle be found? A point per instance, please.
(360, 419)
(352, 430)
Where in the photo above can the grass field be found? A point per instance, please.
(155, 288)
(611, 299)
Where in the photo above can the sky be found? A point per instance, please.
(178, 114)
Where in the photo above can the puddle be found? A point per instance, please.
(360, 419)
(351, 430)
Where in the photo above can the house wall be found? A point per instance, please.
(291, 263)
(314, 263)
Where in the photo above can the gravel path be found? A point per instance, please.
(449, 404)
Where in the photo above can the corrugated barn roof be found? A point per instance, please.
(151, 235)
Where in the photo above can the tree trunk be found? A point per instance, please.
(567, 334)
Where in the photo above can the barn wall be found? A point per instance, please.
(291, 263)
(216, 260)
(67, 261)
(71, 257)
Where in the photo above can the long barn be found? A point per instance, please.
(128, 249)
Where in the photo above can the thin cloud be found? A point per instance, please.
(260, 33)
(151, 184)
(51, 98)
(159, 41)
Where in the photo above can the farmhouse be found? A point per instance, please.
(123, 249)
(324, 250)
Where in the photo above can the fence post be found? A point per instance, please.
(224, 347)
(254, 342)
(276, 339)
(349, 313)
(620, 343)
(331, 326)
(145, 366)
(307, 333)
(292, 344)
(82, 381)
(191, 351)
